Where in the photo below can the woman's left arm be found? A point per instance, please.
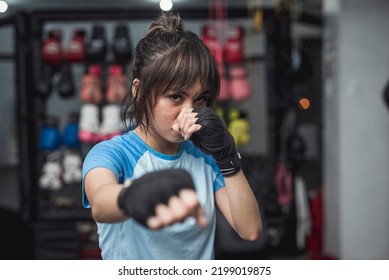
(236, 201)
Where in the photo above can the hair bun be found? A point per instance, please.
(166, 23)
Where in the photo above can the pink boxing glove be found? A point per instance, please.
(239, 83)
(224, 84)
(116, 89)
(91, 88)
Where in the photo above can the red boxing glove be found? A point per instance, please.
(51, 51)
(233, 46)
(76, 47)
(210, 39)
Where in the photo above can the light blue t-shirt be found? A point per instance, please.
(129, 158)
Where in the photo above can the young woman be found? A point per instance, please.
(153, 191)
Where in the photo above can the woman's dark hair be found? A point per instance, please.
(168, 58)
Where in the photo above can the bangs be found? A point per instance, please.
(183, 66)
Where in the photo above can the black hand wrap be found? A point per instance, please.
(142, 196)
(214, 139)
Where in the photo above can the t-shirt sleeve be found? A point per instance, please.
(219, 182)
(101, 155)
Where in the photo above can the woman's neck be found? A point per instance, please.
(156, 142)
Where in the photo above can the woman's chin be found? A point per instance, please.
(177, 139)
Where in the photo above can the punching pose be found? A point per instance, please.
(154, 190)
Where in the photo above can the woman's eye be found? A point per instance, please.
(202, 99)
(176, 97)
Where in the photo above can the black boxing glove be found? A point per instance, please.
(142, 196)
(214, 139)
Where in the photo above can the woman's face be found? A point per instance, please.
(165, 112)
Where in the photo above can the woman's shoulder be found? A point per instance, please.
(119, 143)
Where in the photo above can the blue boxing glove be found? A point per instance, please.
(214, 139)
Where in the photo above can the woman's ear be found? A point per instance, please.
(135, 87)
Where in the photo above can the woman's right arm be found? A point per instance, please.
(102, 190)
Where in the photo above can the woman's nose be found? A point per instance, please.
(188, 103)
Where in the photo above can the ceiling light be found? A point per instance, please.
(166, 5)
(3, 6)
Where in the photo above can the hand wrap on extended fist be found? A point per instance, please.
(140, 199)
(214, 139)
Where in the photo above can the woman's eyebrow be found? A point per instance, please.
(175, 91)
(203, 92)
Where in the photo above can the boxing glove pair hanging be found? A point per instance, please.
(229, 57)
(91, 90)
(54, 58)
(97, 47)
(51, 138)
